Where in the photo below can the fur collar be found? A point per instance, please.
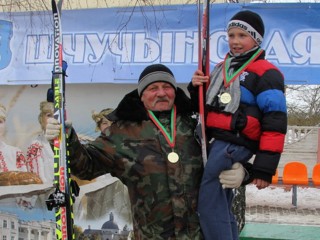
(131, 108)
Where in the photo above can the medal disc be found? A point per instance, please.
(173, 157)
(225, 98)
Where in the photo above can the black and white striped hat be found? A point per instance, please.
(249, 21)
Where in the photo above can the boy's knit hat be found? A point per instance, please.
(249, 21)
(155, 73)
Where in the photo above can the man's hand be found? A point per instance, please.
(232, 178)
(52, 129)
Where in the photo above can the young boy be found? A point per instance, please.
(246, 115)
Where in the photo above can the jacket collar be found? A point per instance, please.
(131, 108)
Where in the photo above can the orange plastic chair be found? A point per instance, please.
(275, 178)
(316, 175)
(295, 173)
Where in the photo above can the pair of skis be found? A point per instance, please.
(66, 189)
(204, 66)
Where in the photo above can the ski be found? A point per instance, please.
(204, 66)
(66, 189)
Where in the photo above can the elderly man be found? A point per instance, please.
(151, 148)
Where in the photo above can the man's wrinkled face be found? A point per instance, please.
(158, 96)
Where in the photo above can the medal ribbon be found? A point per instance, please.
(170, 138)
(229, 78)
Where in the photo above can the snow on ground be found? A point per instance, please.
(307, 197)
(274, 205)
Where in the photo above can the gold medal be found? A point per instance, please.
(173, 157)
(225, 98)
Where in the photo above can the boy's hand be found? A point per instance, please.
(260, 184)
(199, 79)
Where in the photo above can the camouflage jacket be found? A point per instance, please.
(163, 195)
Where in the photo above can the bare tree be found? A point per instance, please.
(303, 102)
(43, 5)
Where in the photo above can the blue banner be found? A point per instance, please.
(113, 45)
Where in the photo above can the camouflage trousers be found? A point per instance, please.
(239, 206)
